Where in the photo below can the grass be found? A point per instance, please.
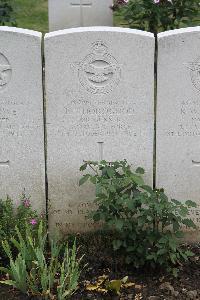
(31, 14)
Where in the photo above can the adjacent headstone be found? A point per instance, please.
(77, 13)
(100, 87)
(21, 116)
(178, 115)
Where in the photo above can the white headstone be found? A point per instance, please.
(178, 115)
(77, 13)
(100, 86)
(21, 116)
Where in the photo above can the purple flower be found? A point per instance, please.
(27, 203)
(33, 222)
(119, 3)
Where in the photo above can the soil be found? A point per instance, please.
(148, 284)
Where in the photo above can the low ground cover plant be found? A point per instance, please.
(158, 15)
(147, 223)
(32, 262)
(38, 270)
(18, 214)
(21, 216)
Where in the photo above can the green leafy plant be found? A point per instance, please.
(26, 245)
(6, 13)
(17, 271)
(19, 266)
(37, 271)
(22, 216)
(7, 218)
(158, 15)
(25, 214)
(147, 224)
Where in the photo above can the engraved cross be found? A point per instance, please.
(196, 163)
(100, 150)
(81, 4)
(5, 163)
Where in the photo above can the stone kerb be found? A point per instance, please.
(100, 100)
(22, 162)
(178, 116)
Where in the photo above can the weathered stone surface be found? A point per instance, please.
(178, 115)
(21, 116)
(76, 13)
(99, 84)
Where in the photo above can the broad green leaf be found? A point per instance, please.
(116, 244)
(93, 180)
(148, 189)
(176, 201)
(110, 172)
(83, 167)
(162, 240)
(162, 251)
(98, 189)
(176, 225)
(189, 223)
(190, 203)
(130, 248)
(84, 179)
(151, 256)
(119, 224)
(140, 171)
(130, 203)
(137, 179)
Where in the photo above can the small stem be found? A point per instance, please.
(96, 172)
(90, 165)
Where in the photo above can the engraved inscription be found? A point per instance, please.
(99, 116)
(194, 68)
(188, 124)
(195, 215)
(5, 71)
(99, 72)
(10, 112)
(79, 212)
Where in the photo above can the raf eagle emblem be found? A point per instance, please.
(99, 72)
(194, 68)
(5, 70)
